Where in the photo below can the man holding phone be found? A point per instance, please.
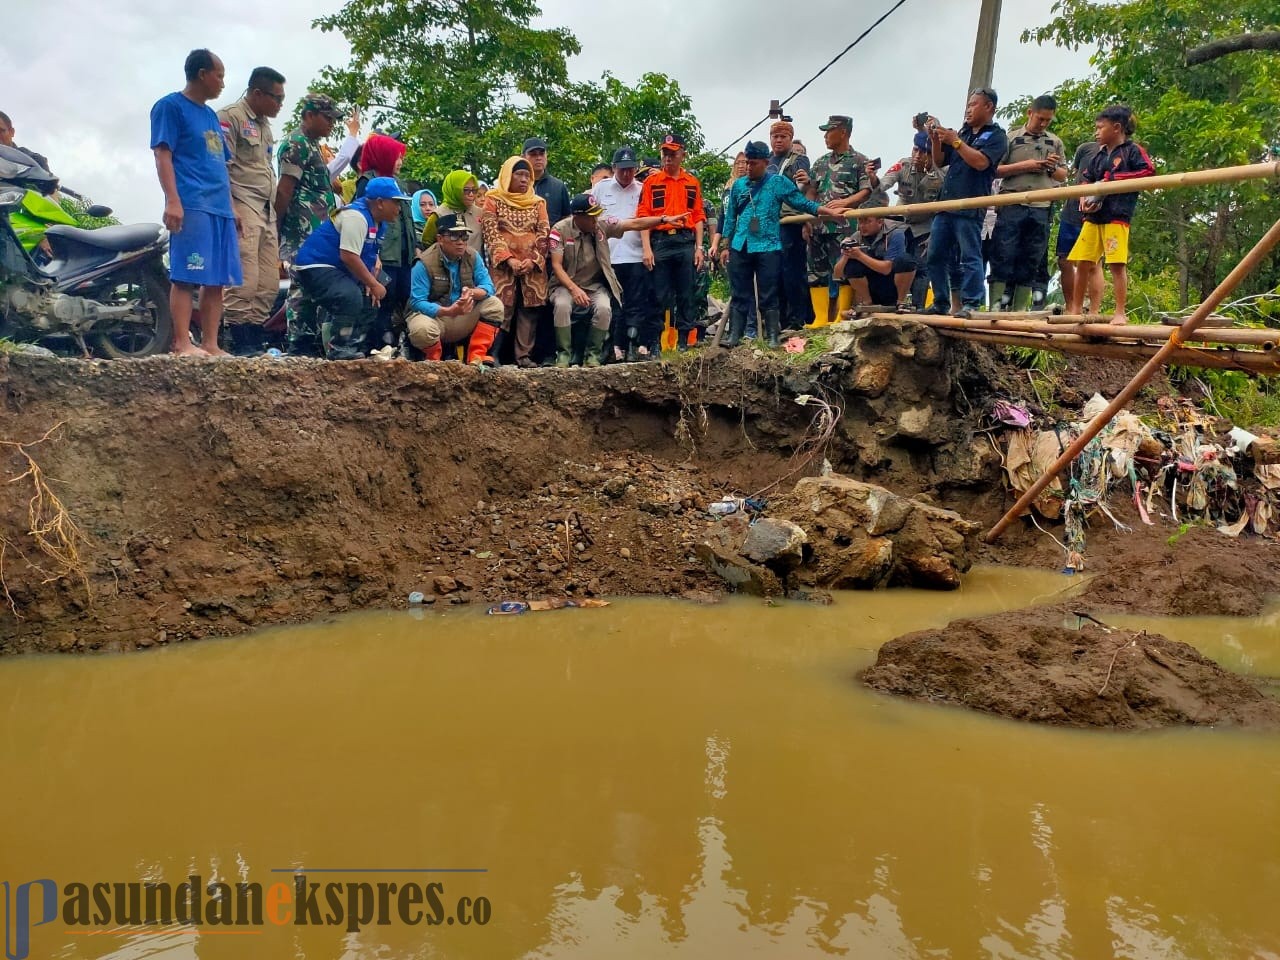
(1034, 160)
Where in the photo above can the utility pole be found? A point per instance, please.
(984, 49)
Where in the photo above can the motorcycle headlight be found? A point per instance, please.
(9, 199)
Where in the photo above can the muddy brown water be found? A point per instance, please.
(655, 779)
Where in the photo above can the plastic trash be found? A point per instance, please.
(1243, 438)
(416, 598)
(724, 507)
(507, 608)
(274, 353)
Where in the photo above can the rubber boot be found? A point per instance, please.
(434, 352)
(737, 326)
(1021, 299)
(633, 345)
(595, 343)
(998, 291)
(564, 346)
(482, 338)
(773, 328)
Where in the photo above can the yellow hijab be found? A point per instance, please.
(503, 192)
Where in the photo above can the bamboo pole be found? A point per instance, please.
(1192, 178)
(1219, 358)
(1255, 256)
(1265, 339)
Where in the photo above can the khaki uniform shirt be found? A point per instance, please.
(586, 257)
(915, 186)
(1026, 146)
(252, 166)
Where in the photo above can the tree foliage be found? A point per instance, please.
(1222, 113)
(464, 83)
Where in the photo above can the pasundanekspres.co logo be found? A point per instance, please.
(243, 907)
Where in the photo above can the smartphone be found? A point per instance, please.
(876, 163)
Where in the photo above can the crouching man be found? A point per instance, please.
(879, 262)
(452, 296)
(338, 268)
(582, 273)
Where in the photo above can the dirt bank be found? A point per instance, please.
(211, 497)
(1048, 665)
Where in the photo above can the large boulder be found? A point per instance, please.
(838, 533)
(864, 536)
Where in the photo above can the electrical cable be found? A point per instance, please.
(862, 36)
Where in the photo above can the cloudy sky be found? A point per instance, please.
(80, 77)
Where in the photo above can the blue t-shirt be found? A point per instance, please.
(964, 181)
(193, 135)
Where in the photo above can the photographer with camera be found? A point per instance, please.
(971, 156)
(879, 261)
(917, 181)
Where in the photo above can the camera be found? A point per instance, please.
(920, 119)
(848, 243)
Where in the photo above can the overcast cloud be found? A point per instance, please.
(80, 77)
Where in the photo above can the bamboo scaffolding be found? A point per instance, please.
(1264, 339)
(1162, 356)
(1219, 358)
(1192, 178)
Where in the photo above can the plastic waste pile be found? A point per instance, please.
(1181, 470)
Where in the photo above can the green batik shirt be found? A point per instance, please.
(839, 175)
(313, 198)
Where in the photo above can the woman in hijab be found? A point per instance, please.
(422, 207)
(382, 156)
(460, 195)
(515, 226)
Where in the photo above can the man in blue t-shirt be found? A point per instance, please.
(971, 156)
(191, 161)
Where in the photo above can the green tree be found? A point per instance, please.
(1221, 113)
(464, 83)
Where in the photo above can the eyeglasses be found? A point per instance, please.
(467, 190)
(277, 97)
(984, 92)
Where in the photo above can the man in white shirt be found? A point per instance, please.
(637, 325)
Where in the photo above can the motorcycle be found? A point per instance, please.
(107, 287)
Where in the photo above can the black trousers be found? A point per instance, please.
(639, 312)
(754, 273)
(399, 285)
(351, 313)
(673, 278)
(1020, 245)
(882, 287)
(796, 302)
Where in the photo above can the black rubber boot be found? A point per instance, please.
(773, 328)
(737, 325)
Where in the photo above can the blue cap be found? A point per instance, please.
(756, 150)
(384, 188)
(921, 141)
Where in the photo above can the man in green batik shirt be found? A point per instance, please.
(304, 197)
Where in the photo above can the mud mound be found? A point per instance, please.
(1036, 666)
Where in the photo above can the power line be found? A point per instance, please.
(860, 38)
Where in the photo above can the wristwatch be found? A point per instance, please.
(664, 221)
(955, 142)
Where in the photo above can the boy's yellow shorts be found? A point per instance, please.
(1102, 240)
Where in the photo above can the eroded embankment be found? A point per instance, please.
(214, 496)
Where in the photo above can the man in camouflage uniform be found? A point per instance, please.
(304, 200)
(918, 181)
(838, 180)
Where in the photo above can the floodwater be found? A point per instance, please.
(651, 780)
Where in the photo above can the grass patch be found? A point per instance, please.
(1247, 401)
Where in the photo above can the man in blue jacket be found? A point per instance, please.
(752, 222)
(338, 268)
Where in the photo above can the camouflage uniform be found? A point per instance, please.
(836, 176)
(311, 205)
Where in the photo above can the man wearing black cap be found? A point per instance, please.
(549, 188)
(452, 296)
(674, 253)
(582, 273)
(752, 224)
(638, 321)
